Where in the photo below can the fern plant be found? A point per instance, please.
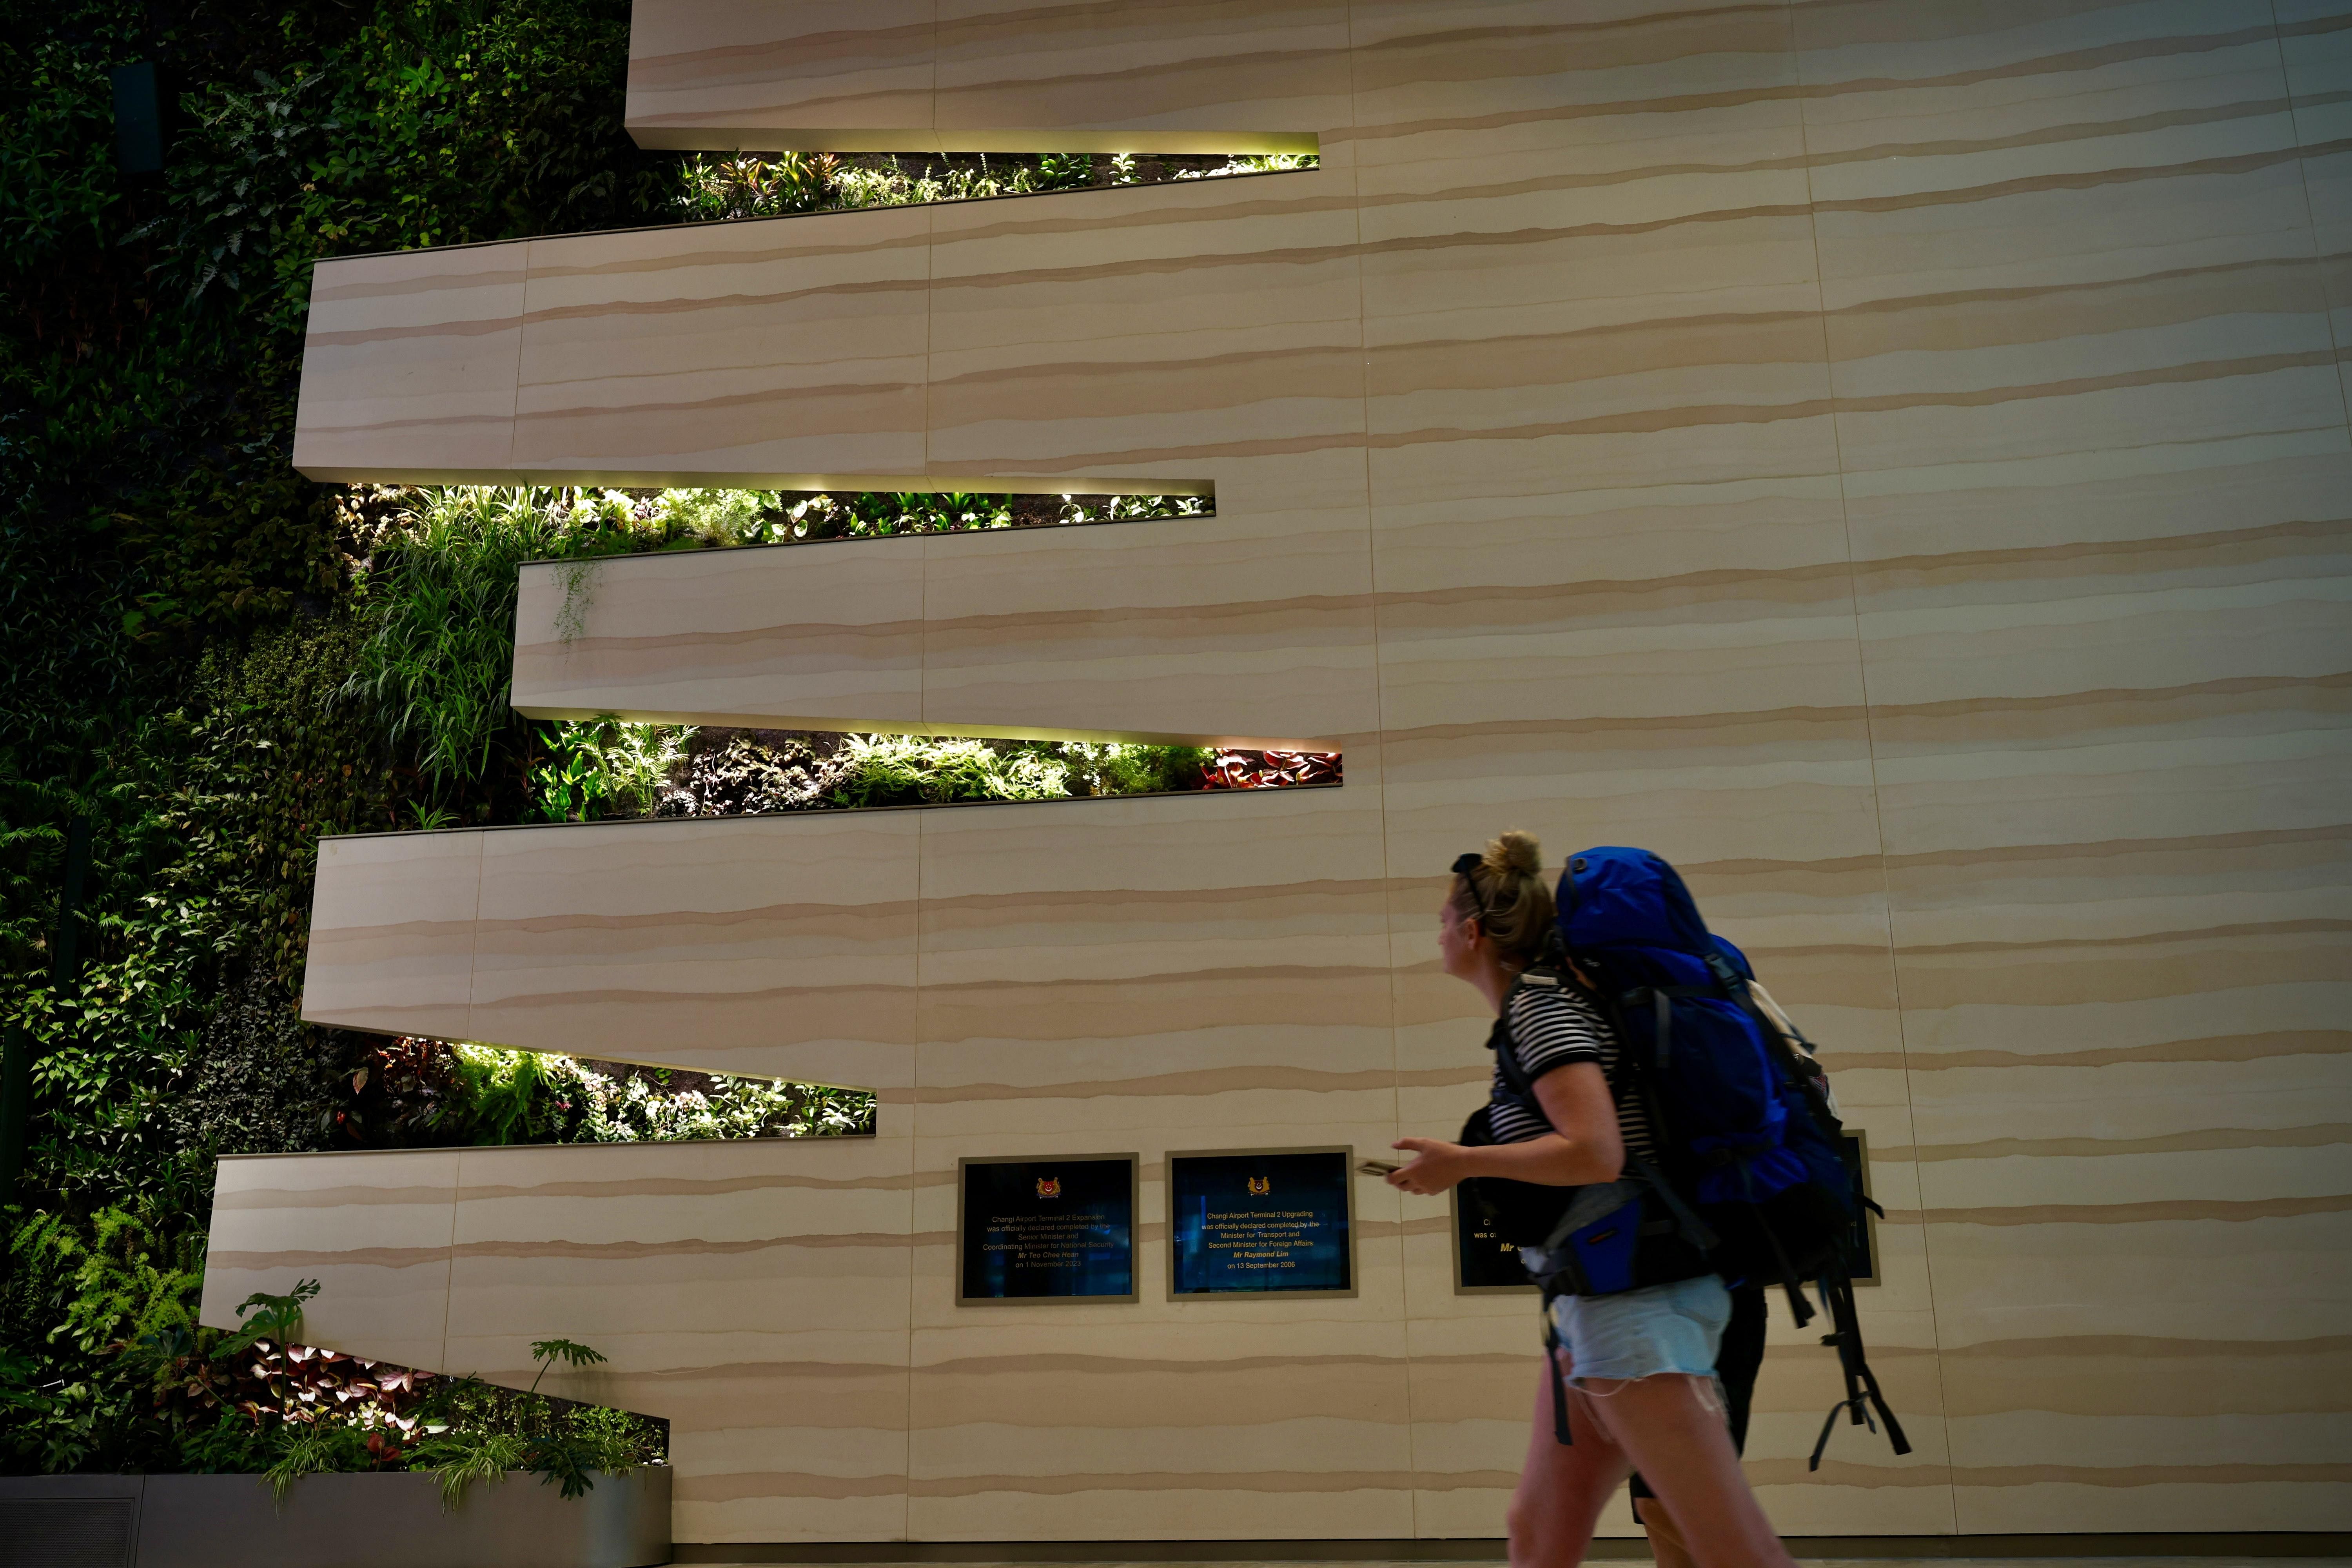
(603, 768)
(566, 1456)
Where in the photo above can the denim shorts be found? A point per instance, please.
(1641, 1333)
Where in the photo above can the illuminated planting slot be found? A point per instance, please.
(412, 1089)
(719, 772)
(773, 185)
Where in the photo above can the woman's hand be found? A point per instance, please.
(1435, 1168)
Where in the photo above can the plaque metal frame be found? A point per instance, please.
(1347, 1169)
(1869, 1218)
(1134, 1225)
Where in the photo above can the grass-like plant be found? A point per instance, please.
(603, 768)
(318, 1447)
(438, 668)
(459, 1458)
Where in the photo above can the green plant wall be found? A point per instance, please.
(195, 651)
(217, 663)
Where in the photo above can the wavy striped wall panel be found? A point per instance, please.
(1125, 337)
(1192, 629)
(974, 76)
(754, 1294)
(1889, 457)
(2096, 488)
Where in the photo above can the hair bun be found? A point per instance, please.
(1516, 852)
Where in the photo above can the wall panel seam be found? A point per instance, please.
(2311, 218)
(1870, 741)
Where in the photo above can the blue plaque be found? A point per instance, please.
(1278, 1220)
(1050, 1229)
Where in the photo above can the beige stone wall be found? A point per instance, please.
(895, 76)
(1890, 457)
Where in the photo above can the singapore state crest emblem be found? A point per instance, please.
(1259, 1186)
(1049, 1186)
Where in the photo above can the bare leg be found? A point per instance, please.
(1666, 1541)
(1671, 1428)
(1562, 1489)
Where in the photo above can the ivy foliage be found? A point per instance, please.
(432, 123)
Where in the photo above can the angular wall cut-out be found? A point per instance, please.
(1889, 457)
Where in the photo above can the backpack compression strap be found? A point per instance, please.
(1506, 1062)
(1862, 1393)
(1559, 1383)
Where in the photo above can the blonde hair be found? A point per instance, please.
(1505, 894)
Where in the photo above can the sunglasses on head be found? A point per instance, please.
(1463, 867)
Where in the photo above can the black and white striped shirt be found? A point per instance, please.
(1550, 1026)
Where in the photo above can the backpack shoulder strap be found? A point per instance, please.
(1779, 1018)
(1639, 1175)
(1507, 1058)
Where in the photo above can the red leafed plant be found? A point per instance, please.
(262, 1377)
(406, 1092)
(1269, 770)
(301, 1384)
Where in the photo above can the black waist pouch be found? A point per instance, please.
(1520, 1213)
(1636, 1241)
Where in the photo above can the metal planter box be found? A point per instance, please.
(331, 1521)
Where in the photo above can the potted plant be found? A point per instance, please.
(326, 1460)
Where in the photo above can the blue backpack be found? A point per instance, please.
(1732, 1119)
(1740, 1115)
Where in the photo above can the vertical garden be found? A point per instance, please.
(210, 663)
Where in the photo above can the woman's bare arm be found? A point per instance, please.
(1583, 1145)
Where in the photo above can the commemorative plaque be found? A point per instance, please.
(1043, 1230)
(1275, 1221)
(1483, 1263)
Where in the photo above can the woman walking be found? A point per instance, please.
(1641, 1364)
